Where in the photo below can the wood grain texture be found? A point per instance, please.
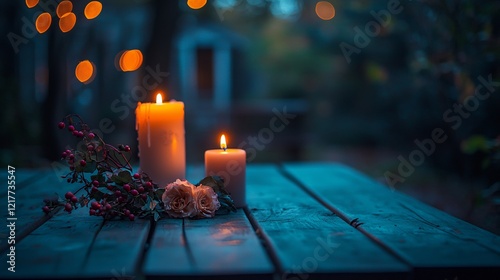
(25, 177)
(436, 244)
(117, 250)
(64, 246)
(223, 247)
(309, 240)
(58, 248)
(32, 187)
(79, 246)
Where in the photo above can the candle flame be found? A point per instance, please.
(223, 144)
(159, 99)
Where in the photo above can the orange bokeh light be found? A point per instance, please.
(31, 3)
(67, 22)
(93, 9)
(325, 10)
(84, 71)
(63, 8)
(43, 22)
(130, 60)
(196, 4)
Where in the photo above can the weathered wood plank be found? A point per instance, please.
(57, 249)
(225, 246)
(29, 197)
(308, 240)
(436, 244)
(25, 177)
(118, 250)
(64, 246)
(167, 253)
(80, 246)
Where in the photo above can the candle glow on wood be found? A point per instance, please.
(230, 164)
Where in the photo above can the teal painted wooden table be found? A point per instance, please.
(303, 221)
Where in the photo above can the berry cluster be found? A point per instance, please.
(110, 189)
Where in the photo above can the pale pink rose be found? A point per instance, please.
(178, 199)
(205, 201)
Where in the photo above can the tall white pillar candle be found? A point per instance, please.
(160, 129)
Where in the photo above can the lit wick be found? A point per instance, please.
(223, 144)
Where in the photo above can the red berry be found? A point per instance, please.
(75, 133)
(74, 199)
(61, 125)
(68, 207)
(68, 152)
(46, 209)
(148, 185)
(71, 156)
(92, 212)
(95, 183)
(71, 128)
(126, 187)
(134, 192)
(137, 176)
(109, 187)
(90, 148)
(118, 193)
(126, 148)
(80, 134)
(91, 135)
(131, 217)
(71, 167)
(64, 155)
(121, 199)
(95, 205)
(127, 212)
(94, 189)
(108, 206)
(69, 195)
(83, 162)
(144, 197)
(140, 189)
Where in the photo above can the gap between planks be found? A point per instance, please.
(354, 222)
(437, 245)
(266, 242)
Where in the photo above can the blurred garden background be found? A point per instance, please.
(405, 91)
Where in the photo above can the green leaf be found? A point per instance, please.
(90, 167)
(159, 193)
(123, 177)
(485, 163)
(145, 207)
(215, 182)
(152, 204)
(83, 201)
(118, 158)
(156, 216)
(226, 204)
(105, 190)
(98, 177)
(475, 144)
